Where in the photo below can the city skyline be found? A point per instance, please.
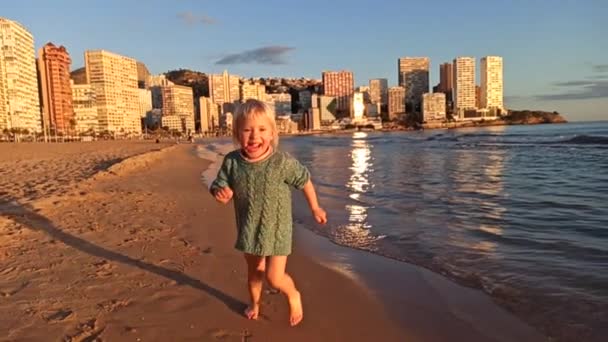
(552, 59)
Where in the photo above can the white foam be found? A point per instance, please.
(215, 153)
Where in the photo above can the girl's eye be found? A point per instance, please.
(262, 129)
(246, 130)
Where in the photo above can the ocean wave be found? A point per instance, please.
(587, 140)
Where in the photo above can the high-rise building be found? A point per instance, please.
(463, 92)
(325, 107)
(446, 83)
(55, 89)
(209, 114)
(358, 106)
(378, 91)
(145, 102)
(85, 108)
(177, 100)
(492, 84)
(341, 85)
(224, 89)
(253, 90)
(312, 119)
(396, 102)
(305, 99)
(413, 75)
(280, 103)
(155, 83)
(19, 100)
(433, 107)
(446, 77)
(114, 79)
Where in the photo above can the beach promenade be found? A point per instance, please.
(120, 241)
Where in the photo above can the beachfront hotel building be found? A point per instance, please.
(413, 75)
(209, 114)
(463, 92)
(341, 85)
(491, 97)
(55, 90)
(178, 100)
(19, 97)
(224, 90)
(433, 107)
(145, 102)
(114, 79)
(155, 83)
(253, 90)
(396, 102)
(85, 108)
(378, 91)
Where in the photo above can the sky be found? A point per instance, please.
(555, 52)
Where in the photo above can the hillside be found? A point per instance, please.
(519, 117)
(195, 79)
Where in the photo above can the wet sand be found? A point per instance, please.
(94, 246)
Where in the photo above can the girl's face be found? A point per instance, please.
(255, 136)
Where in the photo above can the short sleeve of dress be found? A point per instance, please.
(296, 174)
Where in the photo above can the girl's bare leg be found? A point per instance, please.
(256, 266)
(279, 279)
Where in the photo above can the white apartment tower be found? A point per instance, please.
(85, 108)
(491, 83)
(396, 102)
(224, 88)
(433, 107)
(19, 100)
(113, 78)
(463, 92)
(255, 91)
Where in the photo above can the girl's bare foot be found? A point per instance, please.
(252, 311)
(296, 314)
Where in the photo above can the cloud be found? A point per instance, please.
(591, 89)
(574, 83)
(509, 98)
(264, 55)
(600, 68)
(192, 19)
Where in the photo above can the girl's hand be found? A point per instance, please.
(320, 215)
(223, 195)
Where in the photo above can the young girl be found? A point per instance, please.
(258, 177)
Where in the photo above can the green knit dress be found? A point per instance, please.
(262, 200)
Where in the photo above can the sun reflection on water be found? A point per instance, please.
(357, 232)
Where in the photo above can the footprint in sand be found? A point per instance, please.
(7, 270)
(87, 331)
(104, 269)
(114, 305)
(57, 316)
(221, 334)
(11, 292)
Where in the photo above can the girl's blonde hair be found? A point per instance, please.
(253, 108)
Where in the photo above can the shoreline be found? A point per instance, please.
(77, 263)
(142, 251)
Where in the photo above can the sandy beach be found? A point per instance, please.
(120, 241)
